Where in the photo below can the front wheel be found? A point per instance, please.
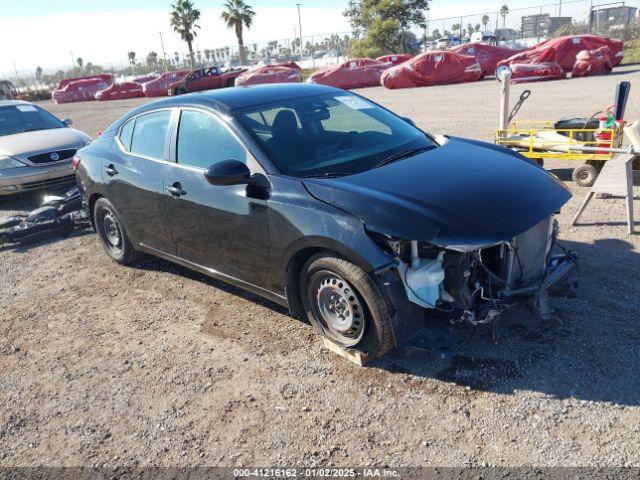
(345, 305)
(112, 236)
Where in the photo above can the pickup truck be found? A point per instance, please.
(205, 79)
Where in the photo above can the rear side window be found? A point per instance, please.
(126, 132)
(150, 133)
(203, 140)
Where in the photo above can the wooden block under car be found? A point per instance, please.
(351, 355)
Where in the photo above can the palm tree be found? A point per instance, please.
(132, 60)
(184, 21)
(455, 27)
(470, 28)
(80, 62)
(485, 20)
(176, 57)
(504, 11)
(238, 15)
(152, 60)
(39, 74)
(435, 33)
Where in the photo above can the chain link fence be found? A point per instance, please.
(527, 25)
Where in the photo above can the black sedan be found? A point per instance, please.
(325, 202)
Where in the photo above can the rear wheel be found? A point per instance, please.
(112, 236)
(585, 175)
(345, 305)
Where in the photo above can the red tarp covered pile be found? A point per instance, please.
(592, 62)
(395, 59)
(357, 73)
(534, 65)
(433, 68)
(160, 86)
(487, 55)
(120, 91)
(567, 48)
(281, 73)
(81, 88)
(146, 78)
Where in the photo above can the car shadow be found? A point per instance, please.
(589, 350)
(151, 263)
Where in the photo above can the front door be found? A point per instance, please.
(218, 227)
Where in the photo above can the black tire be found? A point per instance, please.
(585, 175)
(113, 237)
(366, 325)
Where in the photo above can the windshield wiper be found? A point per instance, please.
(404, 154)
(327, 175)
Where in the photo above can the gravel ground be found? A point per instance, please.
(156, 365)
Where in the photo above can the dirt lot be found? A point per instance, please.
(155, 365)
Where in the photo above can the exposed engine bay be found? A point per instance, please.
(476, 284)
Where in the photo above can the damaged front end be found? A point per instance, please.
(477, 283)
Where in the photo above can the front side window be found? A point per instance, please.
(150, 134)
(23, 118)
(203, 140)
(329, 134)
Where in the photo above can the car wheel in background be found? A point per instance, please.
(585, 175)
(345, 305)
(112, 236)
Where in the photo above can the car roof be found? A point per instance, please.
(10, 103)
(228, 99)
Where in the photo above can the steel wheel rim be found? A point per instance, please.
(584, 175)
(338, 308)
(111, 231)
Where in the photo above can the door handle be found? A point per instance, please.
(111, 170)
(176, 190)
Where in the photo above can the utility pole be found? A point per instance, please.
(73, 61)
(164, 55)
(539, 22)
(300, 30)
(17, 76)
(559, 8)
(426, 29)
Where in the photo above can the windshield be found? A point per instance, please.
(26, 118)
(330, 134)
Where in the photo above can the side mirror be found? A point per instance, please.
(409, 121)
(228, 172)
(68, 122)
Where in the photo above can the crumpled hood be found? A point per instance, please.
(22, 145)
(465, 192)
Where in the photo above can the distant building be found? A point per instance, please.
(542, 25)
(605, 18)
(506, 34)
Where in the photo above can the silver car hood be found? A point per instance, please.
(22, 145)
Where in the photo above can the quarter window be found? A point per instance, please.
(150, 133)
(126, 132)
(203, 140)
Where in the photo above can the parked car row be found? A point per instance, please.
(103, 87)
(580, 54)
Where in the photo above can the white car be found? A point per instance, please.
(36, 148)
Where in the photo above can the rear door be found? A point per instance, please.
(219, 227)
(134, 175)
